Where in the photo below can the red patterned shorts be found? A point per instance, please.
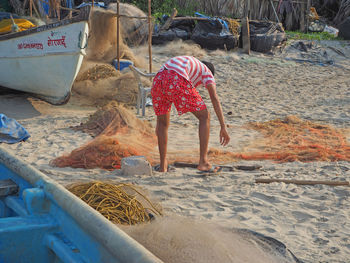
(169, 87)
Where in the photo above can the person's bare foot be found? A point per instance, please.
(163, 167)
(204, 166)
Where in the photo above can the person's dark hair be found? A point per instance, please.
(210, 66)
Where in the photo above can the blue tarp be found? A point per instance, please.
(223, 22)
(99, 4)
(11, 131)
(7, 15)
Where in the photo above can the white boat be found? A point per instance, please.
(45, 60)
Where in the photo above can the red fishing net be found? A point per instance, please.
(118, 133)
(293, 139)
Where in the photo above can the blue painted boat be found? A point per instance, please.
(41, 221)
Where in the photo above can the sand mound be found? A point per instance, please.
(178, 239)
(180, 48)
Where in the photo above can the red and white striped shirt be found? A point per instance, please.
(191, 69)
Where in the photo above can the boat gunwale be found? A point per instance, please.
(84, 15)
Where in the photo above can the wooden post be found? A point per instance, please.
(31, 8)
(308, 6)
(150, 36)
(302, 16)
(245, 35)
(247, 9)
(118, 37)
(58, 9)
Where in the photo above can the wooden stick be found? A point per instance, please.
(238, 167)
(136, 17)
(150, 35)
(168, 21)
(191, 18)
(24, 4)
(301, 182)
(36, 10)
(274, 10)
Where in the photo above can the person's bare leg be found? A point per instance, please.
(162, 134)
(204, 131)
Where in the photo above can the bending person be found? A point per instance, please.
(176, 82)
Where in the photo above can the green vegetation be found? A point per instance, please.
(161, 7)
(296, 35)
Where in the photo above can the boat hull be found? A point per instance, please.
(44, 63)
(41, 221)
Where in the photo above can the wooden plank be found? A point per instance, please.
(245, 35)
(302, 182)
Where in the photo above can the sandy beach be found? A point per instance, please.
(312, 221)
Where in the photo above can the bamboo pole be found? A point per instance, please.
(31, 8)
(150, 36)
(118, 37)
(302, 182)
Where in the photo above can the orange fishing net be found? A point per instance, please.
(293, 139)
(118, 133)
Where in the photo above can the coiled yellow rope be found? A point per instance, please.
(115, 201)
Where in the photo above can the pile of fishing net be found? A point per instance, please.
(234, 26)
(117, 133)
(292, 139)
(98, 81)
(97, 72)
(120, 203)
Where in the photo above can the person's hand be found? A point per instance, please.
(224, 137)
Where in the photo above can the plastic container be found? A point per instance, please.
(331, 30)
(124, 63)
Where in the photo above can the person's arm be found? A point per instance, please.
(224, 137)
